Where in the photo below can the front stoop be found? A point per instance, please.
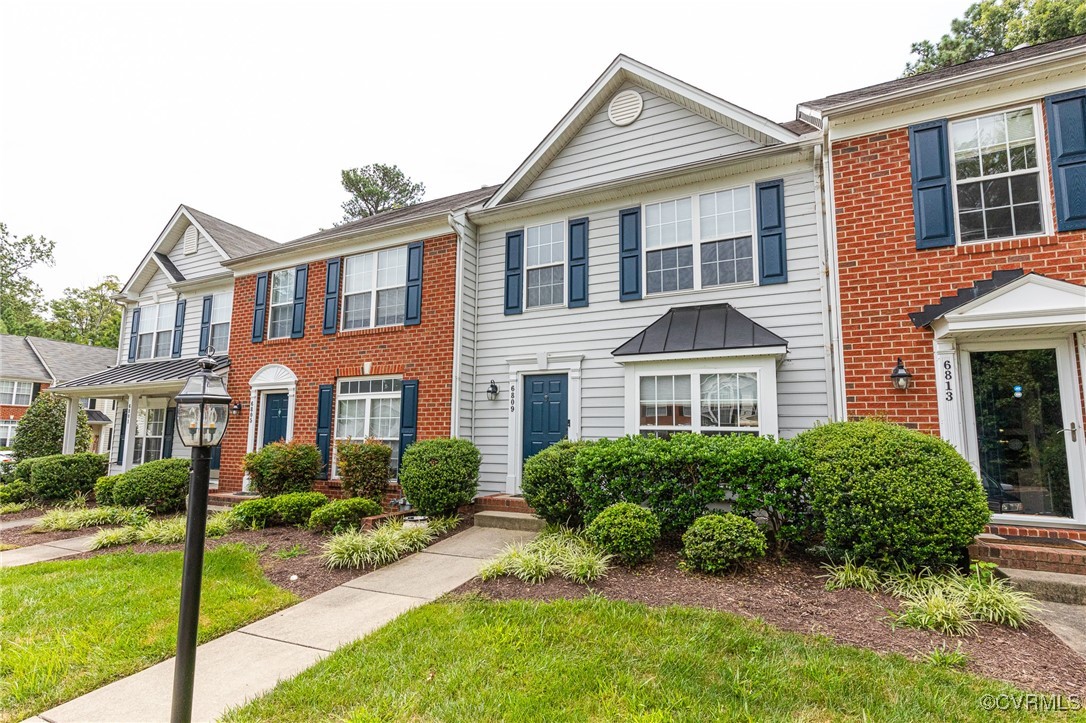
(1040, 554)
(509, 521)
(503, 503)
(1057, 587)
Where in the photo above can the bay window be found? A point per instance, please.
(374, 288)
(369, 409)
(281, 308)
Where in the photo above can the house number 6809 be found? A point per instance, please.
(512, 397)
(948, 377)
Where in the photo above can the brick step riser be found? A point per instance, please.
(1027, 558)
(502, 504)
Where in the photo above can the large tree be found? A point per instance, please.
(995, 26)
(20, 297)
(376, 188)
(87, 316)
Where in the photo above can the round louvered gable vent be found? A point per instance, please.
(625, 107)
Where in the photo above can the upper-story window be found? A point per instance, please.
(16, 393)
(374, 286)
(997, 175)
(221, 307)
(156, 331)
(716, 250)
(546, 264)
(281, 308)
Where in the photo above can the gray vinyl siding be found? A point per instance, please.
(664, 136)
(468, 310)
(792, 310)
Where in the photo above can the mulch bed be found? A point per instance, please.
(791, 596)
(23, 537)
(29, 512)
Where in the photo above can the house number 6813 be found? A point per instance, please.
(948, 377)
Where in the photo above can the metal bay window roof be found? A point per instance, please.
(706, 328)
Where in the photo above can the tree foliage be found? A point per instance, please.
(41, 430)
(376, 188)
(87, 316)
(995, 26)
(20, 297)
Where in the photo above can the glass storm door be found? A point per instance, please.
(1026, 438)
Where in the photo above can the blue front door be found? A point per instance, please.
(546, 412)
(275, 418)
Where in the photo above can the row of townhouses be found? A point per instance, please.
(666, 261)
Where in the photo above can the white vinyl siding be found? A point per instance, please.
(374, 286)
(280, 303)
(17, 394)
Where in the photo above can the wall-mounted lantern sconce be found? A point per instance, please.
(492, 391)
(900, 376)
(235, 408)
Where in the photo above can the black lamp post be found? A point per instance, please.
(203, 410)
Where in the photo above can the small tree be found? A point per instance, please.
(376, 188)
(41, 430)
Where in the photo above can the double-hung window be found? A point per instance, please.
(221, 307)
(374, 286)
(703, 402)
(7, 433)
(156, 331)
(281, 308)
(150, 427)
(997, 175)
(369, 409)
(716, 250)
(546, 264)
(16, 393)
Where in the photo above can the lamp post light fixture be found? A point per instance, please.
(900, 376)
(492, 391)
(203, 411)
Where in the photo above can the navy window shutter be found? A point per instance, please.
(167, 433)
(629, 254)
(120, 444)
(216, 457)
(260, 307)
(324, 427)
(178, 327)
(331, 296)
(205, 323)
(1067, 149)
(413, 297)
(409, 414)
(772, 240)
(36, 390)
(134, 335)
(578, 263)
(514, 272)
(933, 204)
(297, 326)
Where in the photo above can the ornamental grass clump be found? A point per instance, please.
(60, 518)
(943, 610)
(557, 551)
(850, 575)
(169, 531)
(374, 548)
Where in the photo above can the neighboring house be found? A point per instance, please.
(348, 333)
(177, 307)
(656, 265)
(959, 220)
(29, 365)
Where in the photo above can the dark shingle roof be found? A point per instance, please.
(97, 416)
(166, 370)
(167, 264)
(931, 312)
(18, 360)
(993, 61)
(234, 240)
(68, 361)
(799, 127)
(711, 327)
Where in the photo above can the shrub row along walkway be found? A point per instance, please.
(45, 551)
(241, 665)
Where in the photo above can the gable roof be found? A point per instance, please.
(710, 327)
(233, 240)
(963, 296)
(50, 361)
(622, 70)
(18, 360)
(922, 80)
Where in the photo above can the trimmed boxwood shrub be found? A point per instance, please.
(295, 508)
(548, 484)
(284, 467)
(364, 467)
(719, 543)
(440, 475)
(15, 491)
(61, 476)
(890, 496)
(627, 531)
(257, 513)
(103, 489)
(160, 486)
(343, 515)
(25, 468)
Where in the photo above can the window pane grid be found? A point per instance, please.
(668, 223)
(375, 289)
(7, 433)
(281, 314)
(369, 409)
(726, 403)
(545, 259)
(727, 262)
(16, 393)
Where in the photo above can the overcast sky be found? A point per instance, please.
(116, 112)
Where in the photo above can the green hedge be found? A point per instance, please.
(440, 475)
(890, 496)
(343, 515)
(257, 513)
(297, 507)
(284, 467)
(15, 491)
(61, 476)
(548, 484)
(160, 486)
(103, 489)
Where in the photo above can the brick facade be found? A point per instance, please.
(883, 277)
(423, 352)
(15, 412)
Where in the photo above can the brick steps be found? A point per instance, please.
(503, 503)
(1033, 556)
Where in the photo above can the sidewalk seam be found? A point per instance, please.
(284, 642)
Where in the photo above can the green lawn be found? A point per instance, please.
(470, 660)
(68, 627)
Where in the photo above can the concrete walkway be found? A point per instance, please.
(45, 551)
(12, 524)
(246, 663)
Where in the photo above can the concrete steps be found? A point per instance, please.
(1054, 587)
(509, 521)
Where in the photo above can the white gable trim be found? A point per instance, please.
(1029, 302)
(620, 71)
(159, 246)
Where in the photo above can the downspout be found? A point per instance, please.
(462, 237)
(834, 307)
(824, 286)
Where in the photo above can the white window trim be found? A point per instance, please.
(293, 275)
(148, 405)
(1042, 171)
(696, 240)
(369, 397)
(563, 263)
(144, 308)
(12, 400)
(9, 424)
(765, 367)
(373, 290)
(228, 296)
(269, 379)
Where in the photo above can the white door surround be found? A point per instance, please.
(269, 379)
